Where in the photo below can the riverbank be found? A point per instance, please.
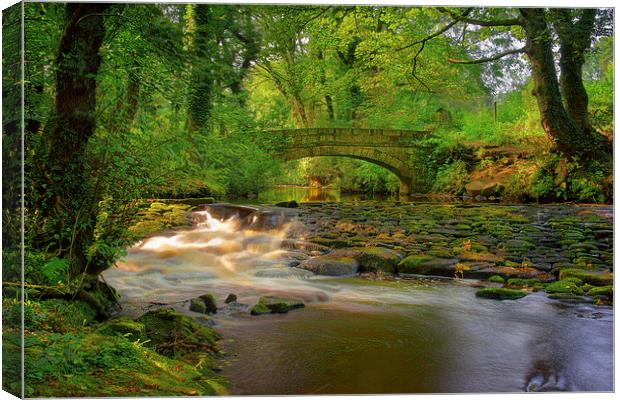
(70, 351)
(377, 258)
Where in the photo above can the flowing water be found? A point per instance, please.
(356, 335)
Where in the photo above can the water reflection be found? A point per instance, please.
(316, 194)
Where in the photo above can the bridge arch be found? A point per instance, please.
(374, 156)
(388, 148)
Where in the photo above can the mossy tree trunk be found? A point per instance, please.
(563, 114)
(202, 75)
(563, 104)
(575, 38)
(67, 202)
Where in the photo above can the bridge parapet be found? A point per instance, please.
(309, 137)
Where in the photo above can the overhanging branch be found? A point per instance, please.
(481, 22)
(435, 34)
(488, 59)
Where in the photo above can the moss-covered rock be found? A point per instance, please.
(523, 282)
(210, 302)
(496, 279)
(197, 305)
(591, 277)
(564, 286)
(427, 265)
(332, 265)
(372, 259)
(276, 305)
(607, 291)
(260, 309)
(123, 326)
(100, 296)
(500, 294)
(333, 243)
(171, 333)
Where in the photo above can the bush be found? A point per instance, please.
(452, 178)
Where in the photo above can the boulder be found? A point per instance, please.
(331, 265)
(210, 303)
(500, 294)
(428, 265)
(372, 259)
(592, 277)
(172, 334)
(276, 305)
(197, 305)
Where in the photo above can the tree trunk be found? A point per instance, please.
(68, 206)
(355, 93)
(299, 110)
(575, 39)
(202, 80)
(559, 126)
(328, 99)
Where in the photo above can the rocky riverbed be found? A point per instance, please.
(412, 286)
(522, 246)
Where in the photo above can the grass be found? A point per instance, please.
(68, 354)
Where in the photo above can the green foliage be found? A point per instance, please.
(65, 354)
(39, 268)
(451, 178)
(443, 152)
(55, 270)
(599, 83)
(557, 180)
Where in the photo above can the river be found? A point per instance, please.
(422, 335)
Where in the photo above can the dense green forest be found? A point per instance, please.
(127, 102)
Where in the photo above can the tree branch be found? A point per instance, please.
(435, 34)
(323, 11)
(488, 59)
(415, 66)
(480, 22)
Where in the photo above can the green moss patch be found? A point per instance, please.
(427, 265)
(603, 279)
(91, 364)
(160, 216)
(564, 286)
(68, 355)
(500, 294)
(172, 334)
(276, 305)
(372, 259)
(496, 279)
(607, 291)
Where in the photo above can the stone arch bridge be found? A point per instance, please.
(388, 148)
